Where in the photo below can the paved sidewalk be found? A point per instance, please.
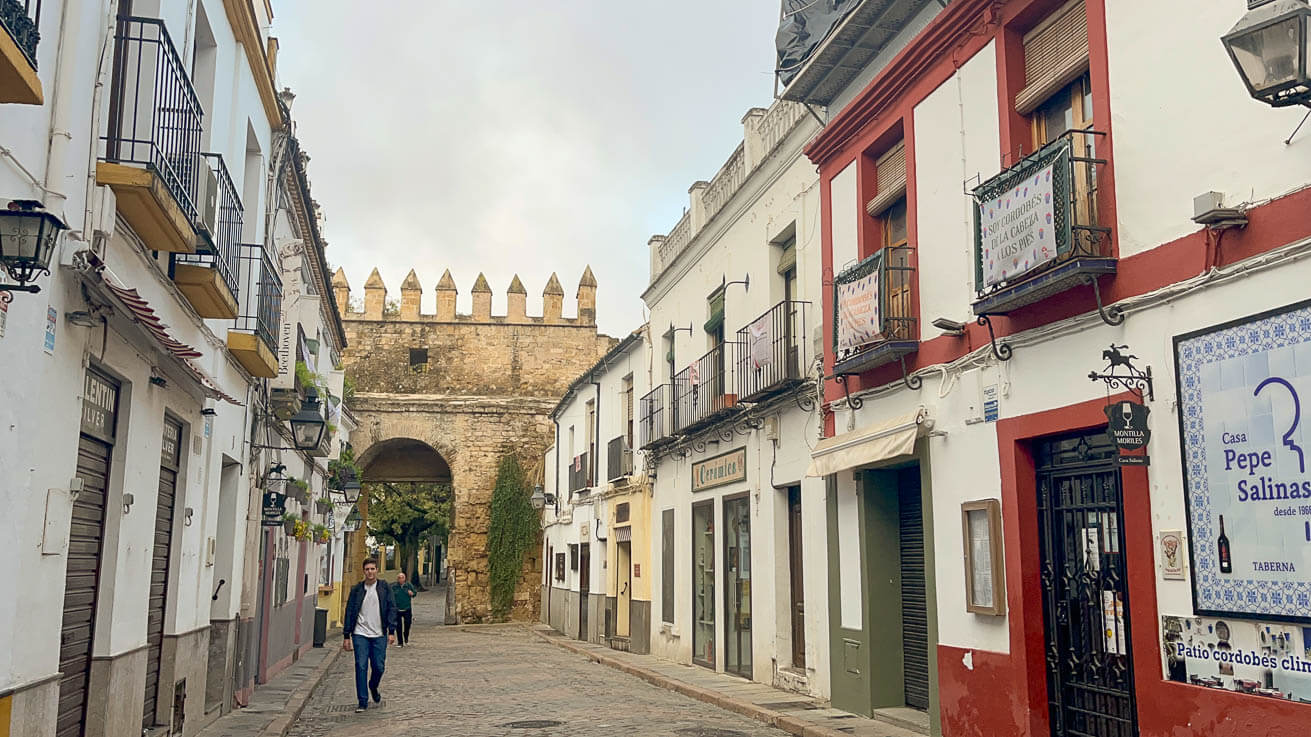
(786, 710)
(278, 703)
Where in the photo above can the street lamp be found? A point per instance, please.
(27, 239)
(1269, 46)
(540, 500)
(351, 490)
(352, 521)
(308, 425)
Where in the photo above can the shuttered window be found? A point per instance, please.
(1055, 54)
(890, 171)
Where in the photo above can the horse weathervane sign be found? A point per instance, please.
(1120, 373)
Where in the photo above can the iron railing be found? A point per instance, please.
(618, 459)
(706, 387)
(262, 285)
(656, 416)
(154, 113)
(1075, 223)
(580, 472)
(223, 229)
(773, 350)
(23, 21)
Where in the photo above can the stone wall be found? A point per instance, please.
(487, 389)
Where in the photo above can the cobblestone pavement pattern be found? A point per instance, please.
(478, 681)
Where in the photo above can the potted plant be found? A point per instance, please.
(322, 534)
(298, 489)
(323, 504)
(289, 522)
(301, 530)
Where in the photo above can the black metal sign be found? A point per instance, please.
(1126, 424)
(1126, 421)
(275, 505)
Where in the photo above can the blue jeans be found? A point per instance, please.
(368, 650)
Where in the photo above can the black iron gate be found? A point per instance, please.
(1085, 591)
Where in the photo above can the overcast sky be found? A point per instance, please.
(517, 137)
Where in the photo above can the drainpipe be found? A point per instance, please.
(556, 420)
(59, 139)
(596, 434)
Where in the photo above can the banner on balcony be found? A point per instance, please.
(858, 305)
(760, 341)
(1017, 228)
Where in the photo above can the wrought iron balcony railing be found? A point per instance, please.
(22, 20)
(1037, 227)
(618, 459)
(874, 318)
(656, 416)
(773, 351)
(154, 113)
(706, 388)
(580, 472)
(262, 286)
(221, 217)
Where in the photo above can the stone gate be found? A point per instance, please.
(441, 397)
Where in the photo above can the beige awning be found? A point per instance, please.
(868, 445)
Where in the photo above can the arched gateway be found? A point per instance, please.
(441, 397)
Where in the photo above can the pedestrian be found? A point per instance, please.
(401, 593)
(369, 626)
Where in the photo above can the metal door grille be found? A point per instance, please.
(1085, 594)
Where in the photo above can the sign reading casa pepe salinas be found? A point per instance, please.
(725, 468)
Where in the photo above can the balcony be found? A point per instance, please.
(151, 149)
(208, 278)
(875, 322)
(706, 389)
(253, 339)
(656, 417)
(580, 473)
(19, 35)
(1036, 229)
(619, 459)
(773, 352)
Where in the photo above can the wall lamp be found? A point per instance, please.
(127, 502)
(540, 499)
(27, 239)
(1269, 47)
(949, 326)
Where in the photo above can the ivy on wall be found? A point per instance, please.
(513, 531)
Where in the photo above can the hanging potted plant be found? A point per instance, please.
(322, 534)
(301, 530)
(289, 521)
(323, 504)
(298, 489)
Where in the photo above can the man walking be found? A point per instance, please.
(401, 593)
(370, 624)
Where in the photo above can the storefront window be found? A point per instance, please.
(703, 584)
(737, 585)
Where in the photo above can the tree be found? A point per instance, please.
(514, 528)
(409, 515)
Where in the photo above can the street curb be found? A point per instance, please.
(786, 722)
(301, 696)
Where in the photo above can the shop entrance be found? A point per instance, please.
(737, 586)
(796, 605)
(703, 583)
(584, 588)
(624, 583)
(1090, 687)
(162, 544)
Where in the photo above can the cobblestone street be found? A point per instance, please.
(501, 680)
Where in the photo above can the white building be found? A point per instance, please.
(133, 377)
(738, 532)
(596, 583)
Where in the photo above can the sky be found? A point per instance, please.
(514, 137)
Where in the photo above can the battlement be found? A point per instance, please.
(408, 309)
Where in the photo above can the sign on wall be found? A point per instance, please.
(1021, 217)
(275, 505)
(1259, 658)
(726, 468)
(857, 305)
(1247, 483)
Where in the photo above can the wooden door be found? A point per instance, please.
(159, 565)
(796, 578)
(624, 592)
(584, 588)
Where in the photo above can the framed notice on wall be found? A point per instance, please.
(1242, 426)
(985, 573)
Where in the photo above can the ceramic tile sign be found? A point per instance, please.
(1017, 228)
(1172, 555)
(1259, 658)
(1243, 428)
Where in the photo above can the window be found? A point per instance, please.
(418, 359)
(1070, 109)
(667, 566)
(559, 566)
(591, 429)
(628, 409)
(888, 208)
(573, 556)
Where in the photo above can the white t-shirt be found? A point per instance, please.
(369, 623)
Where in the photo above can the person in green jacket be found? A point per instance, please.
(401, 593)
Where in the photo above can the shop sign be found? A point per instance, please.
(1258, 658)
(99, 402)
(726, 468)
(275, 506)
(1127, 425)
(1244, 446)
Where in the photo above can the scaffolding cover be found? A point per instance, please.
(803, 27)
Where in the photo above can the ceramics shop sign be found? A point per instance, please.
(1245, 445)
(726, 468)
(857, 305)
(1259, 658)
(275, 505)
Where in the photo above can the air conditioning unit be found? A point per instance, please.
(207, 200)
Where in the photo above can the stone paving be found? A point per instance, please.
(504, 681)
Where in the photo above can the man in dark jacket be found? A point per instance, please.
(369, 625)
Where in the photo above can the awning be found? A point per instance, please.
(868, 445)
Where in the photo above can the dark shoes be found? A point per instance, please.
(377, 697)
(361, 708)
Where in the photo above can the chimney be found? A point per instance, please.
(446, 295)
(552, 300)
(411, 295)
(516, 300)
(375, 296)
(341, 291)
(482, 299)
(587, 298)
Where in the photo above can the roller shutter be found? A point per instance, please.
(914, 601)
